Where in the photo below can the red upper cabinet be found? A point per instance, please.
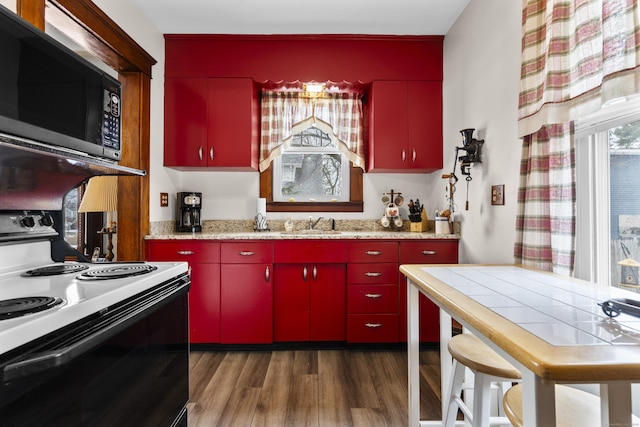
(405, 126)
(211, 123)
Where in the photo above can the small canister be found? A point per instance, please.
(442, 225)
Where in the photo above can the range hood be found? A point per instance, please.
(36, 176)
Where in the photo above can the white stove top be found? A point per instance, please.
(81, 297)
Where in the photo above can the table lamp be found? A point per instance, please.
(101, 195)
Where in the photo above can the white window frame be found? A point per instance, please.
(593, 237)
(345, 165)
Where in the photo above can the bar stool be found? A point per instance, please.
(573, 407)
(488, 367)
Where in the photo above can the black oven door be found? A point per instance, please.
(131, 369)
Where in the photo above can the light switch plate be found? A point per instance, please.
(497, 194)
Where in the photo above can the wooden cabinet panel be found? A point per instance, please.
(372, 299)
(372, 251)
(204, 304)
(310, 251)
(372, 273)
(246, 312)
(375, 327)
(246, 252)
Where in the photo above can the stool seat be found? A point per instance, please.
(477, 356)
(573, 407)
(488, 367)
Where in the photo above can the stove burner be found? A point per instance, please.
(17, 307)
(117, 272)
(55, 269)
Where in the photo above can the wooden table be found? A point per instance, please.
(549, 326)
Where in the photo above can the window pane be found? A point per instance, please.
(71, 218)
(311, 137)
(307, 176)
(624, 162)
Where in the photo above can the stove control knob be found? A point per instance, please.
(28, 222)
(46, 220)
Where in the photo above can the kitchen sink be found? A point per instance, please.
(311, 232)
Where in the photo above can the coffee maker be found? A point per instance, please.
(189, 206)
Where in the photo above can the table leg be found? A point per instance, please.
(538, 401)
(615, 405)
(413, 347)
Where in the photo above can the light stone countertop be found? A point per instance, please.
(345, 229)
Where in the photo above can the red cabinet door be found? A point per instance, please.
(291, 303)
(363, 251)
(310, 302)
(388, 126)
(424, 148)
(204, 303)
(232, 123)
(246, 304)
(328, 303)
(185, 122)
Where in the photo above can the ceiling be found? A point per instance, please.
(401, 17)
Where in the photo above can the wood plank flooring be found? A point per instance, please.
(329, 388)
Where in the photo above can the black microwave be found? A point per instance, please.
(53, 96)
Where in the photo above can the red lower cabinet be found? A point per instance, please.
(204, 304)
(438, 251)
(309, 302)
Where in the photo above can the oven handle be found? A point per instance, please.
(39, 362)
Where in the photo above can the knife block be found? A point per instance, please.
(419, 227)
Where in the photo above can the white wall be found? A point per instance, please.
(481, 84)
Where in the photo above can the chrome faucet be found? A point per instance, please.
(313, 224)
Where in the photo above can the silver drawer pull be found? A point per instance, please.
(267, 273)
(246, 253)
(429, 252)
(373, 295)
(373, 274)
(185, 252)
(373, 252)
(373, 325)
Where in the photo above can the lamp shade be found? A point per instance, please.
(101, 195)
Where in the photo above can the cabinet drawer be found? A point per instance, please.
(310, 251)
(373, 273)
(429, 252)
(184, 250)
(372, 299)
(372, 328)
(246, 253)
(372, 251)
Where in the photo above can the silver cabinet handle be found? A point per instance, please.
(315, 273)
(267, 273)
(246, 253)
(373, 325)
(373, 253)
(373, 296)
(185, 252)
(403, 157)
(304, 273)
(211, 153)
(413, 157)
(429, 252)
(200, 152)
(373, 274)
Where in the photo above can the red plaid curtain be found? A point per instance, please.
(339, 114)
(576, 56)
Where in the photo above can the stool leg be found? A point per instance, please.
(481, 400)
(455, 389)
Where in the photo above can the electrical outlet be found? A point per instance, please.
(164, 199)
(497, 194)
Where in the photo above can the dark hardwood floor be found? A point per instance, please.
(308, 388)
